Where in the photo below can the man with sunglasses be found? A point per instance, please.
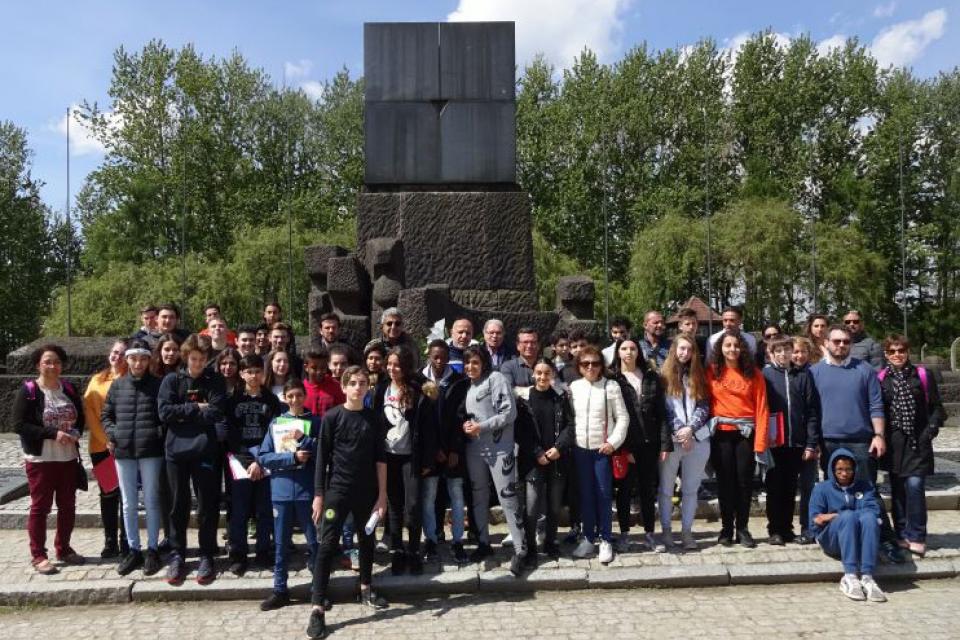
(852, 416)
(862, 347)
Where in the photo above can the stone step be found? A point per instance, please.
(950, 392)
(952, 409)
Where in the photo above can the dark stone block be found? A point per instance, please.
(478, 142)
(355, 331)
(423, 306)
(385, 291)
(495, 300)
(401, 142)
(575, 295)
(401, 61)
(316, 257)
(85, 355)
(378, 215)
(568, 323)
(477, 61)
(383, 256)
(348, 285)
(318, 303)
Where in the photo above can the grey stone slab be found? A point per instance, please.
(456, 581)
(478, 142)
(785, 572)
(65, 593)
(401, 142)
(544, 579)
(84, 355)
(316, 259)
(401, 61)
(704, 575)
(477, 61)
(13, 484)
(926, 569)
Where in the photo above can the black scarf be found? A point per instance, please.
(903, 407)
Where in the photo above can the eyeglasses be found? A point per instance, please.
(590, 363)
(851, 322)
(392, 323)
(770, 336)
(893, 351)
(840, 341)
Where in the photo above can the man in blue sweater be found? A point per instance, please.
(852, 416)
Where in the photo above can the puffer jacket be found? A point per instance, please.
(131, 419)
(590, 401)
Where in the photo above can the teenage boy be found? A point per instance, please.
(578, 340)
(211, 312)
(291, 462)
(351, 478)
(168, 321)
(339, 360)
(794, 435)
(247, 340)
(845, 518)
(322, 389)
(560, 345)
(148, 326)
(250, 415)
(262, 343)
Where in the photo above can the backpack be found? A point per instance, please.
(921, 373)
(31, 386)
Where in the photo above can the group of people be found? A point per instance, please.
(336, 442)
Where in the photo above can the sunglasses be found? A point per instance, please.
(851, 322)
(770, 336)
(896, 351)
(590, 363)
(392, 323)
(840, 341)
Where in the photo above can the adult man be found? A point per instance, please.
(247, 340)
(495, 344)
(863, 347)
(688, 325)
(329, 329)
(461, 337)
(732, 320)
(519, 370)
(654, 345)
(852, 416)
(620, 329)
(393, 333)
(168, 321)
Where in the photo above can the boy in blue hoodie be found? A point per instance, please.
(291, 465)
(845, 519)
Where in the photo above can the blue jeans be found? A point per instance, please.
(867, 467)
(428, 500)
(854, 537)
(909, 507)
(247, 496)
(595, 479)
(283, 514)
(148, 471)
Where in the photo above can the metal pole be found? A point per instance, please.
(813, 225)
(288, 181)
(69, 240)
(183, 223)
(903, 234)
(606, 252)
(706, 207)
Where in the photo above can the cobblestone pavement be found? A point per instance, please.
(782, 611)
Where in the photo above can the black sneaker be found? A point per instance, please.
(164, 546)
(430, 551)
(776, 540)
(110, 550)
(530, 560)
(372, 600)
(151, 562)
(803, 539)
(552, 550)
(317, 627)
(176, 570)
(275, 601)
(238, 566)
(414, 564)
(892, 552)
(263, 559)
(133, 560)
(744, 537)
(206, 572)
(459, 553)
(725, 539)
(481, 553)
(516, 565)
(398, 562)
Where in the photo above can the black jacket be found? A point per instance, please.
(451, 415)
(800, 405)
(422, 418)
(28, 416)
(901, 458)
(192, 433)
(131, 418)
(534, 438)
(648, 414)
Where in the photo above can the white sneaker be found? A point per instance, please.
(606, 552)
(584, 550)
(507, 542)
(872, 589)
(850, 587)
(689, 542)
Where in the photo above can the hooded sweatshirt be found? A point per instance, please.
(829, 497)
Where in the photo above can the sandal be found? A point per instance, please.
(44, 567)
(72, 557)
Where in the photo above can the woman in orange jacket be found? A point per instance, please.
(738, 406)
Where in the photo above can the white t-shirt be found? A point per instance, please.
(398, 439)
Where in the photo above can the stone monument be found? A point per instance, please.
(443, 229)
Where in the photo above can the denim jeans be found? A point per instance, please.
(428, 499)
(595, 478)
(250, 496)
(909, 507)
(867, 467)
(854, 537)
(283, 515)
(148, 471)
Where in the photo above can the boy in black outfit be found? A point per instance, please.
(249, 417)
(351, 478)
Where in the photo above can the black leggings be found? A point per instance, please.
(643, 475)
(732, 457)
(782, 481)
(111, 511)
(403, 499)
(543, 495)
(336, 508)
(205, 474)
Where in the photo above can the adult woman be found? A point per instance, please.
(278, 370)
(601, 426)
(409, 425)
(166, 356)
(911, 402)
(816, 332)
(132, 425)
(687, 439)
(228, 365)
(643, 396)
(48, 417)
(489, 414)
(93, 399)
(191, 406)
(738, 404)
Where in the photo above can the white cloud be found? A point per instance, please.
(81, 141)
(313, 89)
(559, 29)
(904, 42)
(733, 45)
(884, 10)
(297, 70)
(838, 41)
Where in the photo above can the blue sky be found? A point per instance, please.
(60, 53)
